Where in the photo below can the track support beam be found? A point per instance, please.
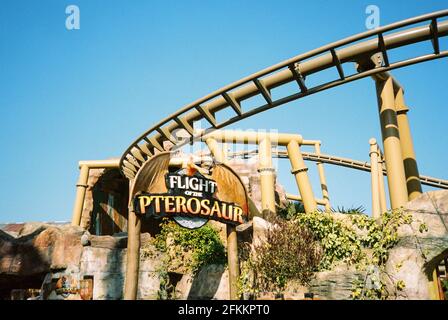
(373, 153)
(413, 183)
(81, 188)
(299, 171)
(267, 177)
(391, 141)
(133, 257)
(323, 180)
(383, 202)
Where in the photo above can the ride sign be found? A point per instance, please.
(190, 201)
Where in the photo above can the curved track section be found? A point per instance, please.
(430, 27)
(338, 161)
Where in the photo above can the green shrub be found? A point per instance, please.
(203, 244)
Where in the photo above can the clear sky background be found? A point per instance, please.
(87, 94)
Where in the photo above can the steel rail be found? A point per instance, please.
(296, 69)
(339, 161)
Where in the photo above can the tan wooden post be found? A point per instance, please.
(232, 237)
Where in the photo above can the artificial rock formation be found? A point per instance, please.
(28, 254)
(39, 254)
(418, 251)
(35, 255)
(248, 172)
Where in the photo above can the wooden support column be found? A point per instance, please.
(232, 237)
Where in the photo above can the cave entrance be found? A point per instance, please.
(14, 287)
(110, 204)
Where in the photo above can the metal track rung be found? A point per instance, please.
(338, 64)
(229, 97)
(382, 47)
(298, 77)
(435, 36)
(263, 90)
(185, 125)
(153, 141)
(166, 134)
(207, 115)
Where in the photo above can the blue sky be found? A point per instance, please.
(85, 94)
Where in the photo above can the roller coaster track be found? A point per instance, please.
(338, 161)
(353, 49)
